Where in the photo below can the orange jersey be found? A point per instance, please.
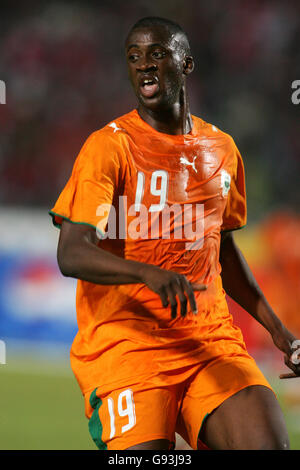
(130, 168)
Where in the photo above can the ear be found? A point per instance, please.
(188, 65)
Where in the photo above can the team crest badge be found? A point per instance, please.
(225, 182)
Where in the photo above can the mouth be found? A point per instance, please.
(149, 86)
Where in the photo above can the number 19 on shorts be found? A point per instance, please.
(124, 407)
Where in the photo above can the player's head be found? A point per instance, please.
(159, 59)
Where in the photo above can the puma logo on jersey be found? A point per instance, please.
(225, 182)
(114, 126)
(185, 161)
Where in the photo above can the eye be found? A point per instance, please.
(158, 54)
(133, 57)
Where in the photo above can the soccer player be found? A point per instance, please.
(156, 351)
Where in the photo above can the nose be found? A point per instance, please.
(146, 65)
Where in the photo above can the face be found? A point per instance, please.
(157, 66)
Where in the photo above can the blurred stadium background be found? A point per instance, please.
(64, 69)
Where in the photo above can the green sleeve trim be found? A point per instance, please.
(198, 437)
(95, 425)
(232, 229)
(56, 224)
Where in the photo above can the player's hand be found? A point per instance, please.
(170, 285)
(285, 342)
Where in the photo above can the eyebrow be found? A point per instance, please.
(155, 44)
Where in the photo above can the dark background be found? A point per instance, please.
(64, 67)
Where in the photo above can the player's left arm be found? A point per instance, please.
(240, 284)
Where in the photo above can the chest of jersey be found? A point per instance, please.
(193, 171)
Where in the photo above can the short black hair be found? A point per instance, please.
(171, 26)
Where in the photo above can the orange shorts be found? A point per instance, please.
(143, 412)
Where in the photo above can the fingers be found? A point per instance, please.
(182, 289)
(164, 297)
(168, 296)
(182, 298)
(288, 376)
(172, 299)
(174, 289)
(188, 287)
(199, 287)
(294, 367)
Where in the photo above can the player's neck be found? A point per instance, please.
(175, 119)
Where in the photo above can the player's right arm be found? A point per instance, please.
(79, 256)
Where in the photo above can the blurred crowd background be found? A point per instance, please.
(64, 68)
(66, 76)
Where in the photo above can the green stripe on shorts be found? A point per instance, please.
(95, 426)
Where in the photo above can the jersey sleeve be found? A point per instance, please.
(89, 192)
(235, 213)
